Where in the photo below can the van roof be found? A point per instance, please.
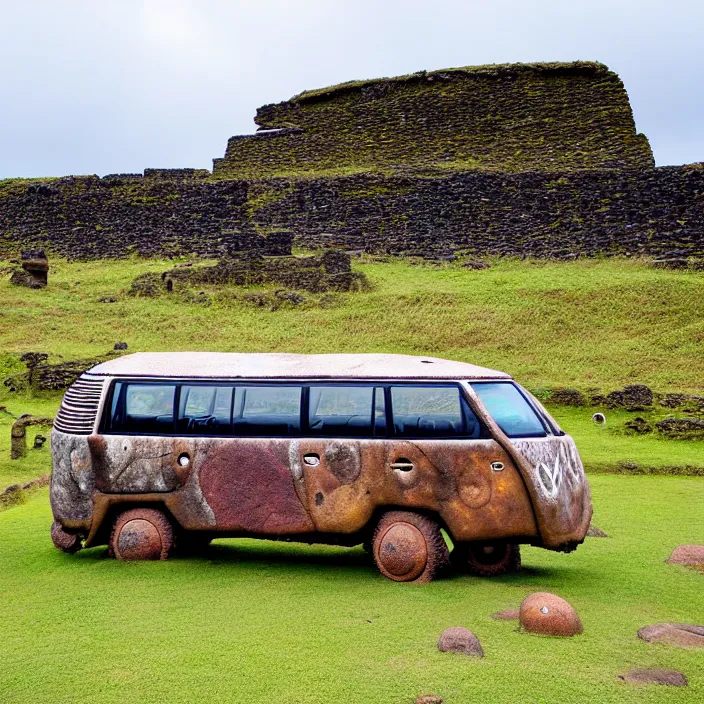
(235, 365)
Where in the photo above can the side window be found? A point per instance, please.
(342, 411)
(205, 410)
(267, 410)
(142, 408)
(431, 412)
(510, 410)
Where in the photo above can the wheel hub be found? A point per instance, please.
(139, 540)
(403, 552)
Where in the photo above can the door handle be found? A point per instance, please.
(311, 459)
(497, 466)
(402, 464)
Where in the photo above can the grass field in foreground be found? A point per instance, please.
(265, 622)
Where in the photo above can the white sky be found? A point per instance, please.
(106, 86)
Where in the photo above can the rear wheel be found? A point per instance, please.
(487, 558)
(409, 547)
(141, 534)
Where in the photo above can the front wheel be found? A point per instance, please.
(141, 534)
(488, 558)
(409, 547)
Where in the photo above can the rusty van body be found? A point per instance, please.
(157, 451)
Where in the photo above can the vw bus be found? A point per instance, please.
(154, 452)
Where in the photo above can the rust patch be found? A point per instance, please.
(249, 488)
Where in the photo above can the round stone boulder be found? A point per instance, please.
(655, 675)
(429, 699)
(682, 635)
(549, 615)
(690, 555)
(460, 640)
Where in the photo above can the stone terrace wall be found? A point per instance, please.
(657, 212)
(516, 117)
(163, 212)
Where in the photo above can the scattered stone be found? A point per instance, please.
(634, 397)
(638, 426)
(476, 264)
(690, 403)
(34, 272)
(39, 441)
(18, 434)
(568, 397)
(682, 635)
(120, 346)
(550, 615)
(692, 555)
(506, 615)
(681, 428)
(147, 285)
(429, 699)
(595, 532)
(107, 299)
(671, 678)
(460, 640)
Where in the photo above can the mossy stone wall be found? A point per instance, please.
(656, 212)
(516, 117)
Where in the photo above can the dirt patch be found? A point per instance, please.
(671, 678)
(596, 532)
(682, 635)
(690, 555)
(506, 615)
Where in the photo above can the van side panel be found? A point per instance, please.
(452, 477)
(249, 485)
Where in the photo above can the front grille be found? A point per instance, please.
(79, 407)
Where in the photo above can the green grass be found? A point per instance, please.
(596, 323)
(265, 622)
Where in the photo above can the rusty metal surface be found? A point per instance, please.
(531, 490)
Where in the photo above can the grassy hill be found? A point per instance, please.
(585, 324)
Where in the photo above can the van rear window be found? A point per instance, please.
(143, 408)
(508, 407)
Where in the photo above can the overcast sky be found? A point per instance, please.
(108, 86)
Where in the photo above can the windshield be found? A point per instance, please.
(508, 407)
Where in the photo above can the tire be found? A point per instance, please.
(409, 547)
(141, 534)
(488, 558)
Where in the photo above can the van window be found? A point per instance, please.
(205, 410)
(143, 408)
(431, 412)
(344, 411)
(267, 410)
(508, 407)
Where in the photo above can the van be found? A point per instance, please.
(156, 452)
